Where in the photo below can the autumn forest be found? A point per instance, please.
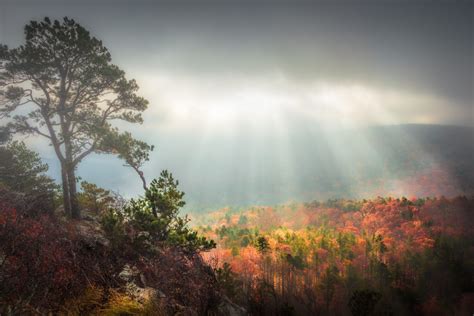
(223, 159)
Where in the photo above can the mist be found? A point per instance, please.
(258, 104)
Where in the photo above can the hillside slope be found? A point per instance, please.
(383, 256)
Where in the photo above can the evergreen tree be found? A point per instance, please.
(157, 215)
(94, 198)
(64, 79)
(21, 170)
(262, 244)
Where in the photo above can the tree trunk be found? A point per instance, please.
(71, 176)
(65, 185)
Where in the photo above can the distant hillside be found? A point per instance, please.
(300, 162)
(382, 256)
(410, 160)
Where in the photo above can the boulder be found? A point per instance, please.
(228, 308)
(130, 274)
(91, 232)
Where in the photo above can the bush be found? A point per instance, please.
(155, 219)
(120, 304)
(45, 262)
(39, 264)
(23, 177)
(95, 199)
(113, 225)
(228, 281)
(90, 300)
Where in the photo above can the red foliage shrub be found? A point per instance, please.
(43, 262)
(185, 280)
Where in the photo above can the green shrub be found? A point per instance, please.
(155, 218)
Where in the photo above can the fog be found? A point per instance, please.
(260, 103)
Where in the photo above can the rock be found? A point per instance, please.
(160, 294)
(180, 310)
(89, 218)
(142, 279)
(91, 232)
(128, 273)
(143, 295)
(228, 308)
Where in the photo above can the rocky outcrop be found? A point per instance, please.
(130, 274)
(91, 233)
(180, 283)
(228, 308)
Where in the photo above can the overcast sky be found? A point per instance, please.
(418, 55)
(218, 67)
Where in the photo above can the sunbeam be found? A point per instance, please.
(227, 157)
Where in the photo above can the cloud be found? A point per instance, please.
(399, 47)
(184, 102)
